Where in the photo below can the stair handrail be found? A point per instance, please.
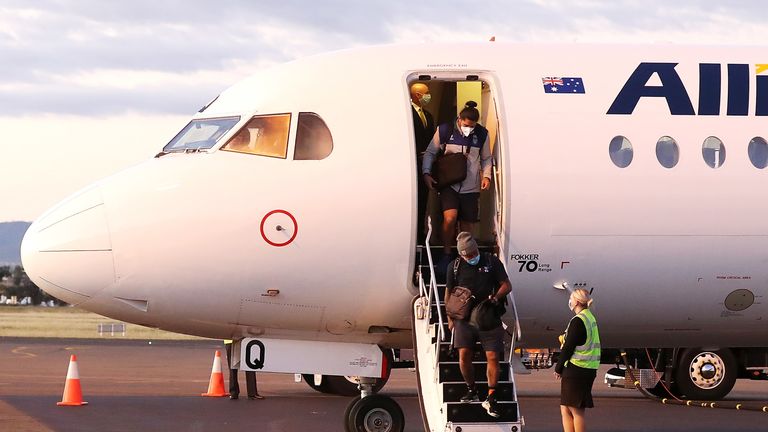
(497, 195)
(433, 284)
(518, 332)
(516, 337)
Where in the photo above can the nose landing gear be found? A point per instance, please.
(371, 412)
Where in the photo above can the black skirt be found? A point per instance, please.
(576, 387)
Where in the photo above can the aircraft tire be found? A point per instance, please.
(347, 413)
(706, 375)
(375, 413)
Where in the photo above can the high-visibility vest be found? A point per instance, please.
(588, 355)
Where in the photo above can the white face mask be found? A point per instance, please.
(571, 304)
(466, 130)
(424, 100)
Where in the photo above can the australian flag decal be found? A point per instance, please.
(563, 85)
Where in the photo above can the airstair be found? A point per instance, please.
(440, 382)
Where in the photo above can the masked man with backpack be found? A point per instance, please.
(468, 143)
(481, 274)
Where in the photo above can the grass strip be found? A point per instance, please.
(70, 322)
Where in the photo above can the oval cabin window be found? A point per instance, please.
(667, 152)
(758, 152)
(620, 150)
(713, 151)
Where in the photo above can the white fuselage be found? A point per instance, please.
(176, 242)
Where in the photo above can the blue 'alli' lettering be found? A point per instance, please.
(673, 90)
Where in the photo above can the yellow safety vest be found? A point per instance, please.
(588, 355)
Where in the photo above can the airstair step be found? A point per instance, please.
(453, 391)
(475, 413)
(433, 311)
(449, 355)
(450, 372)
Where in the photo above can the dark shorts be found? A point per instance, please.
(466, 203)
(466, 336)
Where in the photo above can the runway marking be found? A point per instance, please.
(20, 351)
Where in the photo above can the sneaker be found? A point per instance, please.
(491, 407)
(471, 396)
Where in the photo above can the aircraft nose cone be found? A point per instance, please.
(68, 252)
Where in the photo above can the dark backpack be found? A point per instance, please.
(486, 315)
(501, 305)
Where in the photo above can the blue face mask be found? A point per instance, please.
(474, 260)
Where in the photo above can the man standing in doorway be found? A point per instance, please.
(423, 129)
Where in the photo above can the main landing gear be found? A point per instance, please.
(371, 412)
(696, 373)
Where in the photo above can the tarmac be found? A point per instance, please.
(143, 386)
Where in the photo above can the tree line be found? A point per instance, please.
(17, 283)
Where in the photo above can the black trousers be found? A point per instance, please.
(250, 377)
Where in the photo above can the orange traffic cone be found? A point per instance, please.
(73, 395)
(216, 385)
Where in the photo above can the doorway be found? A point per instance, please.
(449, 93)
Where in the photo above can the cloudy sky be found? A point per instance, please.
(88, 87)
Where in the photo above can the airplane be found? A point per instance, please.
(284, 213)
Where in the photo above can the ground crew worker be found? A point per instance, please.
(250, 377)
(578, 363)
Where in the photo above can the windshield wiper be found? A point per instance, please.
(182, 150)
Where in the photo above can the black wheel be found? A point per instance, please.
(706, 375)
(375, 413)
(347, 424)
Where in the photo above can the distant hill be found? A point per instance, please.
(11, 234)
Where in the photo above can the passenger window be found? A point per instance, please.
(263, 135)
(313, 138)
(713, 151)
(758, 152)
(667, 152)
(620, 150)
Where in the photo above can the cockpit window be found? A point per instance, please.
(313, 139)
(263, 135)
(201, 134)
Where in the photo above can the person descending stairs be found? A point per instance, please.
(458, 367)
